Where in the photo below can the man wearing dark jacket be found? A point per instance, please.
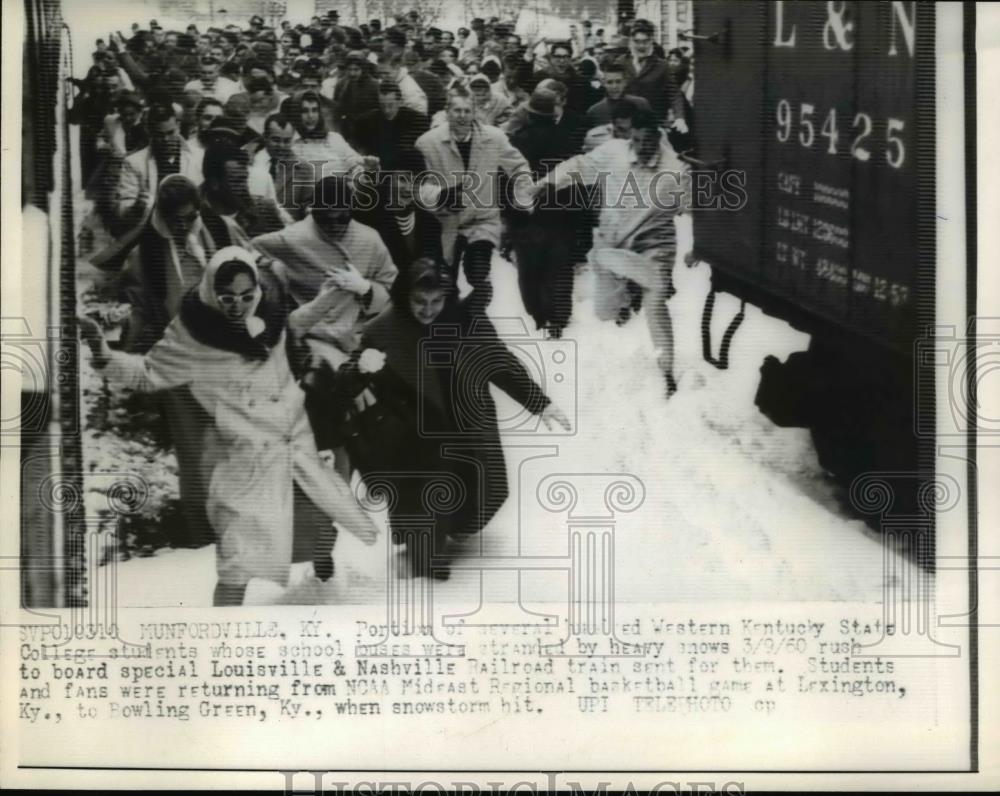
(615, 76)
(561, 69)
(95, 101)
(649, 76)
(230, 213)
(355, 94)
(567, 121)
(390, 129)
(430, 84)
(408, 231)
(544, 240)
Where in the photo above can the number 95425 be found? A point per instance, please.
(810, 131)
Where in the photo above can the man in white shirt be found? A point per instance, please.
(506, 87)
(211, 83)
(619, 127)
(644, 185)
(209, 109)
(390, 67)
(276, 172)
(143, 170)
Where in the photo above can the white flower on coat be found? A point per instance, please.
(371, 360)
(256, 326)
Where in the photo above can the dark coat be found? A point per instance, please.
(142, 283)
(388, 139)
(424, 242)
(440, 419)
(579, 92)
(261, 218)
(656, 83)
(350, 100)
(602, 112)
(431, 85)
(544, 145)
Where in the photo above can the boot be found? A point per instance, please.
(671, 384)
(323, 552)
(420, 563)
(228, 594)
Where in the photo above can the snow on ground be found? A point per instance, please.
(734, 508)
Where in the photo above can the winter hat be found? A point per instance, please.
(542, 102)
(396, 37)
(206, 290)
(490, 69)
(356, 57)
(617, 45)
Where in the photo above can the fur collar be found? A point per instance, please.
(209, 327)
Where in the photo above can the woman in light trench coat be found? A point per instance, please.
(228, 345)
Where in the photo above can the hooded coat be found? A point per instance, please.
(243, 381)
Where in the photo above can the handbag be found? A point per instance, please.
(380, 422)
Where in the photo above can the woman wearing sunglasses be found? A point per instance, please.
(228, 344)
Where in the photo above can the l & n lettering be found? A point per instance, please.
(838, 31)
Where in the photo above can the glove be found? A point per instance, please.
(451, 199)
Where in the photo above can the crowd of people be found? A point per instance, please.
(288, 213)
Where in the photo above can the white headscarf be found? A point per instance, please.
(206, 290)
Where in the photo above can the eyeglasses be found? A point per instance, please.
(188, 218)
(232, 299)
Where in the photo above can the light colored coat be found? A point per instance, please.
(266, 445)
(413, 96)
(332, 155)
(308, 258)
(496, 110)
(139, 174)
(222, 89)
(113, 135)
(492, 151)
(639, 200)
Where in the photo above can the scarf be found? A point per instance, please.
(196, 243)
(318, 133)
(265, 322)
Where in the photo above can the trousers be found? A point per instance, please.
(476, 259)
(192, 433)
(611, 296)
(545, 271)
